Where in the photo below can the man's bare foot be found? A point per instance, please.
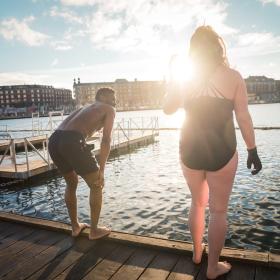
(98, 233)
(222, 268)
(198, 255)
(77, 230)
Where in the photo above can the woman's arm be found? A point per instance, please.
(245, 123)
(173, 100)
(242, 114)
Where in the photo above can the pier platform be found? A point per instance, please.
(25, 169)
(33, 248)
(36, 141)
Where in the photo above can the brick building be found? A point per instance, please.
(262, 89)
(130, 94)
(28, 98)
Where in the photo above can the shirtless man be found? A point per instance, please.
(72, 156)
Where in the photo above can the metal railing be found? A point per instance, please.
(123, 131)
(11, 148)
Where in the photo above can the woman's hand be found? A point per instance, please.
(254, 159)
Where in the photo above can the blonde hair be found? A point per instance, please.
(207, 50)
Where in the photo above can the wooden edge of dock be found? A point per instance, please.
(181, 247)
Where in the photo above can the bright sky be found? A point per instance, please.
(53, 41)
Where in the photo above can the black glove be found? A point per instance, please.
(254, 159)
(89, 147)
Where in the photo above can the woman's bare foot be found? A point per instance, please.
(98, 233)
(78, 229)
(222, 268)
(198, 255)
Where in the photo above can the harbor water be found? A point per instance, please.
(145, 192)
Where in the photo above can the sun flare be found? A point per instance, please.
(180, 69)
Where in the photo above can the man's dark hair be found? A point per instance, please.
(103, 92)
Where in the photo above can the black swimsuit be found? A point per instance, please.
(208, 139)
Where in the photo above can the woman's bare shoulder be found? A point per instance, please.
(235, 74)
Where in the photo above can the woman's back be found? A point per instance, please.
(208, 138)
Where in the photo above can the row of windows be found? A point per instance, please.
(31, 99)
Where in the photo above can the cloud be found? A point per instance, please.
(69, 16)
(13, 29)
(17, 78)
(276, 2)
(152, 26)
(61, 45)
(78, 2)
(54, 63)
(63, 77)
(255, 44)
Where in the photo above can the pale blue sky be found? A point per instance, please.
(53, 41)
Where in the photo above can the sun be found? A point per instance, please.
(180, 69)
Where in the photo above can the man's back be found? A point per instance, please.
(88, 119)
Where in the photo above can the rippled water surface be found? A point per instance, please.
(145, 193)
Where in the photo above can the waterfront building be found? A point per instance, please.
(262, 89)
(130, 94)
(25, 99)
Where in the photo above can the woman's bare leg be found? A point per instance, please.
(220, 186)
(196, 181)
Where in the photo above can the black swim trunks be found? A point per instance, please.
(69, 151)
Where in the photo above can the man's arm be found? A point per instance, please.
(106, 138)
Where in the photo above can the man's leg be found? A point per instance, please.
(95, 200)
(71, 179)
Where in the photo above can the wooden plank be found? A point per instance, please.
(14, 237)
(19, 246)
(160, 267)
(269, 273)
(88, 261)
(153, 242)
(135, 265)
(150, 242)
(23, 270)
(3, 225)
(158, 243)
(39, 223)
(62, 262)
(185, 269)
(10, 229)
(107, 267)
(202, 270)
(274, 260)
(11, 263)
(241, 272)
(245, 256)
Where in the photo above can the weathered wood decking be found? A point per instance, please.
(38, 249)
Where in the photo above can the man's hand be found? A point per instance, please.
(101, 179)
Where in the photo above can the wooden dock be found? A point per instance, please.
(33, 248)
(39, 166)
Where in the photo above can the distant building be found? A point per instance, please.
(25, 99)
(130, 94)
(262, 89)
